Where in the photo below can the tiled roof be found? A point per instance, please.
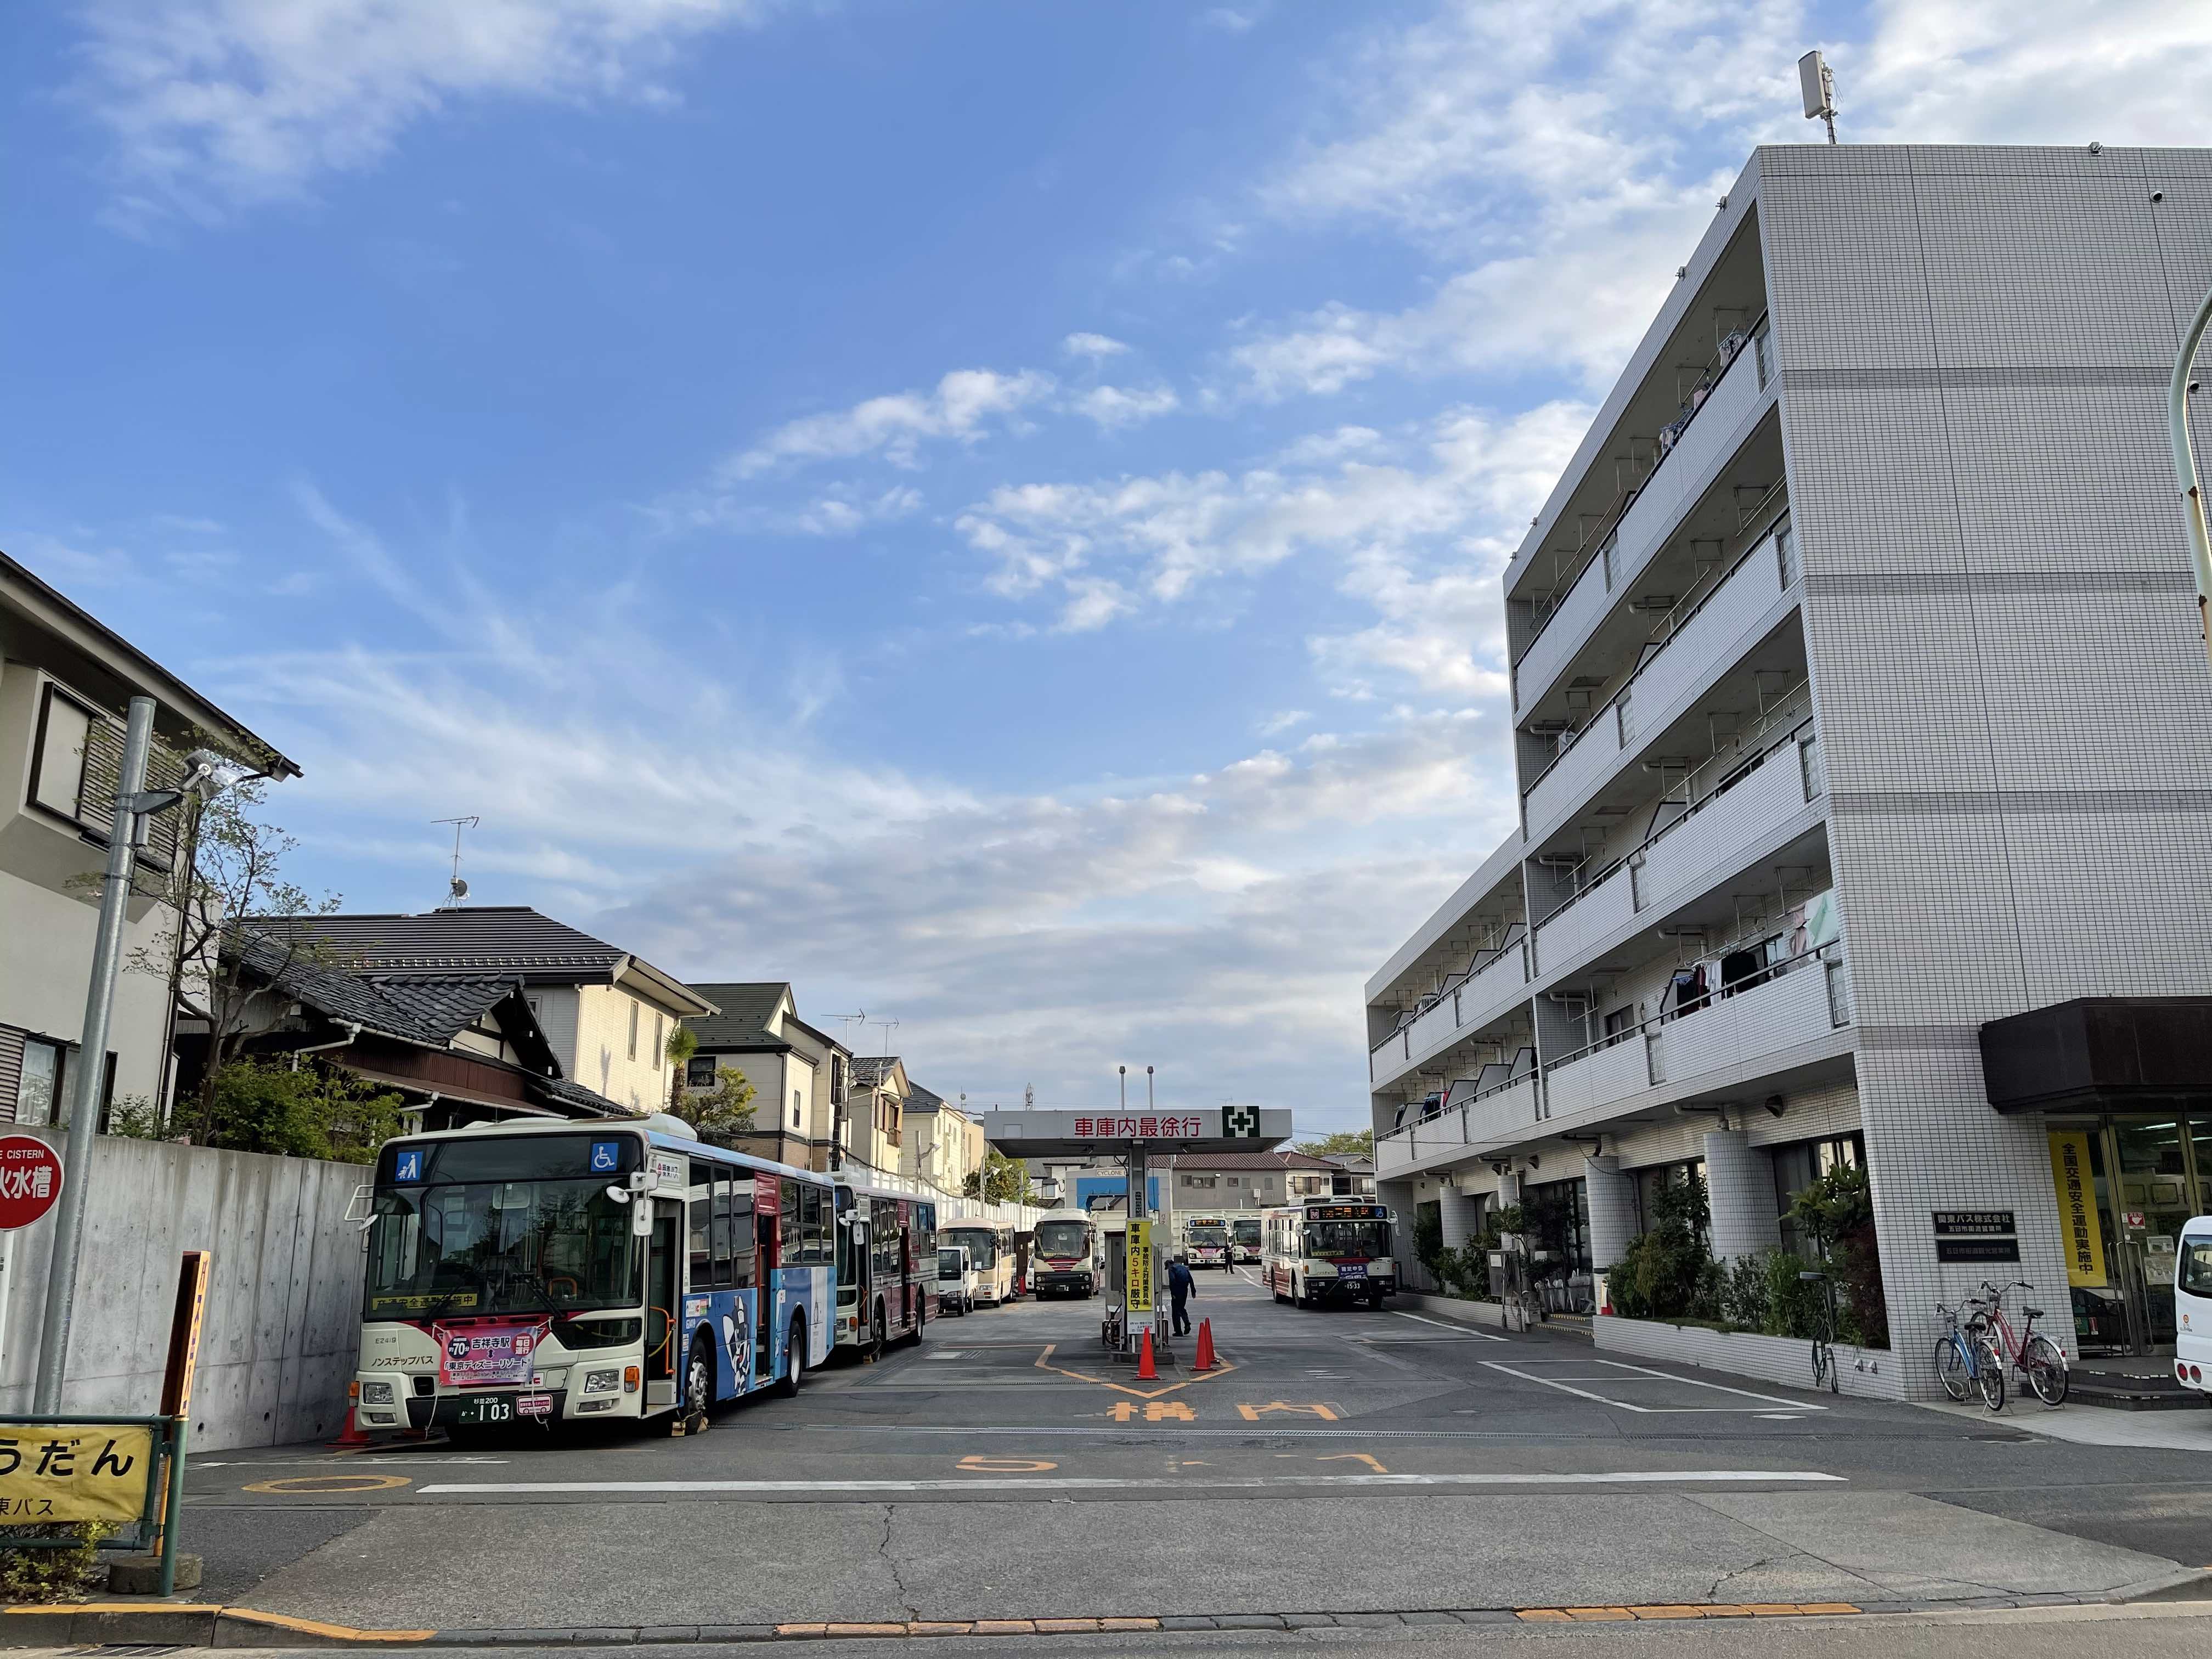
(587, 1103)
(869, 1070)
(746, 1007)
(479, 938)
(412, 1008)
(918, 1099)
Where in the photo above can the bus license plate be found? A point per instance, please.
(488, 1408)
(1352, 1270)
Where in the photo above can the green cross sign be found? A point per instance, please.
(1241, 1120)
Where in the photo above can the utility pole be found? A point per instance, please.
(132, 806)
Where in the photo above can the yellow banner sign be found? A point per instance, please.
(2077, 1209)
(68, 1472)
(1140, 1266)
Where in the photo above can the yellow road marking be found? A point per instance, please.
(1222, 1368)
(1353, 1457)
(1253, 1413)
(976, 1463)
(332, 1483)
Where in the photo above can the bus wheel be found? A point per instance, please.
(699, 1379)
(794, 1370)
(878, 1332)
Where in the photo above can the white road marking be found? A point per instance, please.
(1456, 1330)
(1102, 1483)
(1645, 1373)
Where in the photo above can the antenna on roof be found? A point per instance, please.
(456, 889)
(848, 1021)
(889, 1026)
(1818, 82)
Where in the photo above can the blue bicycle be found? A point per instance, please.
(1966, 1357)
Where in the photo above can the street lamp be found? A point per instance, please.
(206, 775)
(2184, 464)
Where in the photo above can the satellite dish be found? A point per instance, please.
(457, 891)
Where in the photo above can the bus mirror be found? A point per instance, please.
(640, 1220)
(640, 1181)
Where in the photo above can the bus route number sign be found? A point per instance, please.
(30, 1182)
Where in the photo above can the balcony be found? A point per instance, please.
(1713, 432)
(1732, 1039)
(1471, 1003)
(1505, 1110)
(1706, 635)
(1752, 801)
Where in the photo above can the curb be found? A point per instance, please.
(208, 1626)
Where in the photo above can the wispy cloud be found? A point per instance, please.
(1114, 406)
(218, 105)
(960, 407)
(1093, 346)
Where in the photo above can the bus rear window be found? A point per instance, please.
(2194, 1276)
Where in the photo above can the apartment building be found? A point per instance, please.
(1858, 707)
(939, 1142)
(66, 681)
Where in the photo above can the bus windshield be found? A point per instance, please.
(1246, 1230)
(1214, 1236)
(1062, 1238)
(2194, 1278)
(500, 1247)
(1332, 1239)
(982, 1243)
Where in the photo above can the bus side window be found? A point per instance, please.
(770, 1191)
(703, 1175)
(810, 1224)
(743, 1263)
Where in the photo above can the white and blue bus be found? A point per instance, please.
(559, 1271)
(886, 1265)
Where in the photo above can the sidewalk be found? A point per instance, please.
(2093, 1425)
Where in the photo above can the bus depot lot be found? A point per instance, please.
(1338, 1461)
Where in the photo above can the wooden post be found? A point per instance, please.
(193, 1273)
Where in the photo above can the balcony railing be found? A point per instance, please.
(1693, 640)
(1502, 1111)
(1754, 795)
(1625, 545)
(1474, 1001)
(1791, 1002)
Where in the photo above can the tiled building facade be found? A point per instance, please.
(1858, 701)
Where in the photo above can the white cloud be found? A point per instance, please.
(898, 424)
(1113, 407)
(1093, 346)
(216, 105)
(1276, 724)
(1103, 549)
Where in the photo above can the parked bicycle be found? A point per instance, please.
(2036, 1357)
(1824, 1340)
(1966, 1358)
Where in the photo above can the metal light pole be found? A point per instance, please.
(2184, 464)
(130, 808)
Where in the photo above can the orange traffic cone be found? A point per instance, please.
(1205, 1360)
(1144, 1371)
(352, 1439)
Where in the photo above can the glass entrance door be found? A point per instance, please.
(2156, 1174)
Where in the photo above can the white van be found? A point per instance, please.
(2192, 1307)
(956, 1280)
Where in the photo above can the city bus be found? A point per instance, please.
(1329, 1249)
(886, 1265)
(522, 1272)
(1060, 1257)
(1245, 1236)
(990, 1253)
(1206, 1242)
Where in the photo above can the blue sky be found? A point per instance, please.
(990, 511)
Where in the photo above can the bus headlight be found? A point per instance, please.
(601, 1381)
(376, 1393)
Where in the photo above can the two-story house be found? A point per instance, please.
(939, 1142)
(65, 682)
(873, 1129)
(800, 1075)
(606, 1013)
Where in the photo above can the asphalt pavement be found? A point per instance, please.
(1336, 1462)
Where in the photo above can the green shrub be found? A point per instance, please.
(68, 1573)
(1836, 1214)
(1744, 1300)
(1429, 1239)
(264, 1107)
(1667, 1270)
(1793, 1304)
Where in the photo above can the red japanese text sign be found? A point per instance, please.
(30, 1180)
(481, 1350)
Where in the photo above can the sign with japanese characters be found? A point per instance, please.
(1139, 1268)
(70, 1472)
(2078, 1222)
(1146, 1126)
(30, 1180)
(488, 1351)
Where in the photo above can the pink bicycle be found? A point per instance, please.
(2036, 1357)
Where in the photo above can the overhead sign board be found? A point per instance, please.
(1077, 1134)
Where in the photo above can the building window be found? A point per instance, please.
(699, 1073)
(632, 1027)
(1232, 1181)
(1799, 1165)
(794, 1109)
(660, 1046)
(39, 1094)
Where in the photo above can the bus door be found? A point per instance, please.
(906, 1266)
(662, 1299)
(768, 1234)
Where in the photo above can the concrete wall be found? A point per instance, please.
(283, 1312)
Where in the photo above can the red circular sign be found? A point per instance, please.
(30, 1180)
